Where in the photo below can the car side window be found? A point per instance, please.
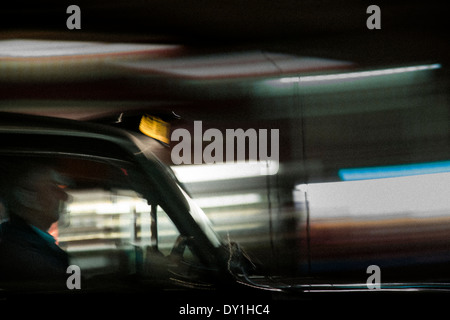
(103, 229)
(109, 229)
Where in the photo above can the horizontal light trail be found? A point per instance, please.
(359, 74)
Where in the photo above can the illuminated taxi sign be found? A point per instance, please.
(155, 128)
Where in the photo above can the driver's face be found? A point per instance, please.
(49, 192)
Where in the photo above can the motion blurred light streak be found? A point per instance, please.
(229, 200)
(52, 60)
(40, 49)
(224, 171)
(120, 207)
(394, 171)
(359, 74)
(419, 196)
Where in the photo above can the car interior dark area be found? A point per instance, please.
(225, 159)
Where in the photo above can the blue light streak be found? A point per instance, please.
(402, 170)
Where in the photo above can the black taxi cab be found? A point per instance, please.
(127, 225)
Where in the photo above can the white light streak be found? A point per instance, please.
(359, 74)
(225, 171)
(50, 48)
(229, 200)
(121, 207)
(415, 196)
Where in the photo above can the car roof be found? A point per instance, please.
(22, 122)
(31, 133)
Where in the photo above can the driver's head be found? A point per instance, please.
(36, 192)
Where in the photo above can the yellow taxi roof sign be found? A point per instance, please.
(155, 128)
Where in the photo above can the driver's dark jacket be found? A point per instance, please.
(26, 258)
